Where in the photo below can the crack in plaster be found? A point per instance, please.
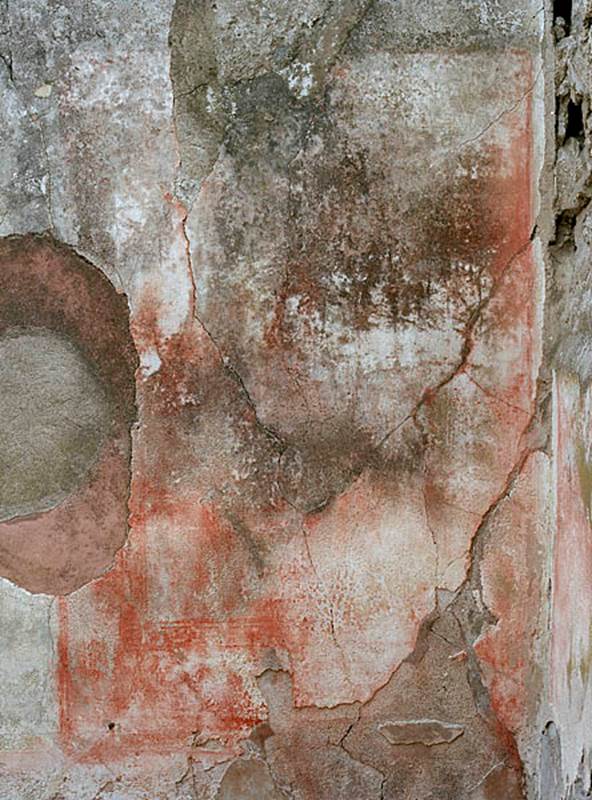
(229, 368)
(460, 368)
(504, 112)
(467, 349)
(342, 744)
(428, 394)
(489, 772)
(348, 33)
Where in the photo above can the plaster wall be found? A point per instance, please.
(294, 488)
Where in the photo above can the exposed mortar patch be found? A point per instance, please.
(54, 416)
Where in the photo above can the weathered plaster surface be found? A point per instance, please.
(298, 252)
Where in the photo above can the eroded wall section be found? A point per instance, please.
(565, 766)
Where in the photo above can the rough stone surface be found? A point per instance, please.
(295, 407)
(566, 714)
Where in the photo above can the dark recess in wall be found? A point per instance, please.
(563, 8)
(575, 121)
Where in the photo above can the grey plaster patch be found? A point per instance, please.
(54, 414)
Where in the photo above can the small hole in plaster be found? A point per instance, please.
(563, 9)
(111, 726)
(575, 121)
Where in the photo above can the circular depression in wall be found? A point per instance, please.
(67, 404)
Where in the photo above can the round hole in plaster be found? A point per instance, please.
(54, 416)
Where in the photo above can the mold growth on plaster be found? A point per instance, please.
(335, 286)
(67, 366)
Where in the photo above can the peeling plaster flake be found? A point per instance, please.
(69, 342)
(428, 732)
